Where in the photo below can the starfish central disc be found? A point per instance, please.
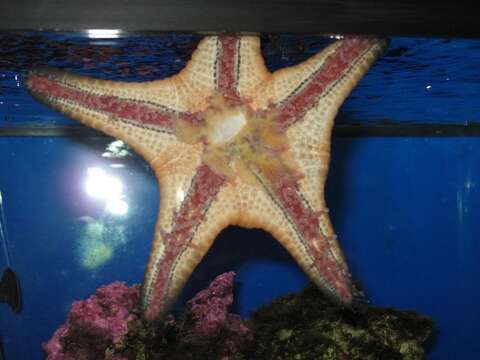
(224, 124)
(237, 139)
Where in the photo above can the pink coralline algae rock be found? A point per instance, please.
(209, 324)
(95, 324)
(107, 327)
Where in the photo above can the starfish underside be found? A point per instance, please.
(230, 143)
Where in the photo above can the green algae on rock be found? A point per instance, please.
(302, 326)
(307, 326)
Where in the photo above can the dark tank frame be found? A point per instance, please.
(390, 18)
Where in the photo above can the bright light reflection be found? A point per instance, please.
(117, 207)
(100, 185)
(117, 166)
(103, 33)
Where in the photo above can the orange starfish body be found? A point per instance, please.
(230, 143)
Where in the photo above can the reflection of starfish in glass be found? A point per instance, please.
(230, 143)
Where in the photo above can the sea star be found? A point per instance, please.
(230, 143)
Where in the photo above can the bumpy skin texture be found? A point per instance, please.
(230, 143)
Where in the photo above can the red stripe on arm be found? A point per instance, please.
(130, 110)
(202, 193)
(334, 274)
(333, 69)
(227, 67)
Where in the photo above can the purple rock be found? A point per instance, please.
(102, 321)
(209, 323)
(94, 324)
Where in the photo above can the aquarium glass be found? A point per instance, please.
(80, 207)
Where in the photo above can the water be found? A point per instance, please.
(405, 208)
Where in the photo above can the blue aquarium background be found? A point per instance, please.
(406, 209)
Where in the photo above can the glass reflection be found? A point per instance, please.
(102, 186)
(103, 33)
(100, 237)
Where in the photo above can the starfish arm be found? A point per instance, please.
(199, 80)
(184, 232)
(310, 114)
(138, 113)
(238, 68)
(281, 209)
(252, 71)
(331, 73)
(111, 107)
